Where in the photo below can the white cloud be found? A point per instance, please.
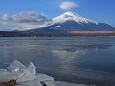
(30, 17)
(6, 17)
(68, 5)
(23, 21)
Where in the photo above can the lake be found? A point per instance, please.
(65, 58)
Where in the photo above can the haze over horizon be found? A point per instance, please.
(33, 13)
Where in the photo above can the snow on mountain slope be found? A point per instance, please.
(67, 16)
(70, 21)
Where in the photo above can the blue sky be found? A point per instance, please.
(97, 10)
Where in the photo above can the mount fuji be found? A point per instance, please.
(70, 21)
(71, 16)
(67, 24)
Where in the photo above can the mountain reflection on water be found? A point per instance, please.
(63, 53)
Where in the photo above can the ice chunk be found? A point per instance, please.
(43, 77)
(3, 75)
(15, 65)
(25, 77)
(34, 82)
(31, 68)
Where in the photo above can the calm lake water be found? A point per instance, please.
(61, 54)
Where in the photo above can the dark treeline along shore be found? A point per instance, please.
(54, 33)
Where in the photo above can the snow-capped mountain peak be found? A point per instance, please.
(67, 16)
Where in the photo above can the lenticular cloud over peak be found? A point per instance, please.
(67, 5)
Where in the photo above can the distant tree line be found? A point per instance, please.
(48, 34)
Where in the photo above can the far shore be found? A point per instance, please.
(93, 32)
(55, 33)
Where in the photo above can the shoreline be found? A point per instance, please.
(56, 33)
(99, 79)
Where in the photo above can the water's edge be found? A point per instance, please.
(89, 77)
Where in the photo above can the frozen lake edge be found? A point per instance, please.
(27, 76)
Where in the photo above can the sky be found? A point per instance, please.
(27, 14)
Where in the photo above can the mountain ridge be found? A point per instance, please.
(69, 21)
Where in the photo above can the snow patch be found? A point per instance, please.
(67, 16)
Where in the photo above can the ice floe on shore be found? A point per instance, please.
(27, 76)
